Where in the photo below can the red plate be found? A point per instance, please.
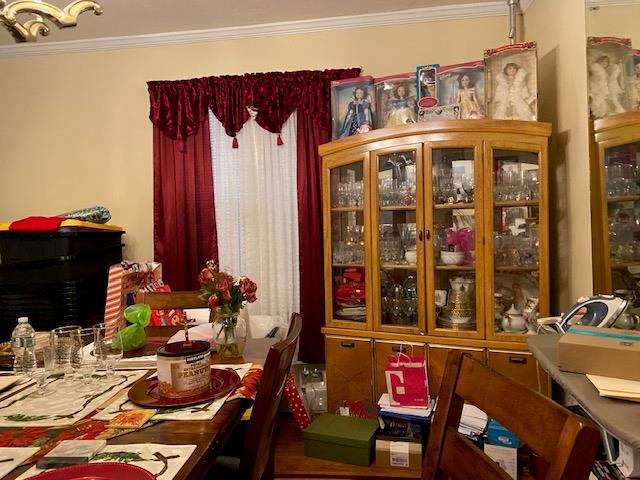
(145, 392)
(98, 471)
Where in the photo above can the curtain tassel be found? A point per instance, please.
(235, 142)
(280, 142)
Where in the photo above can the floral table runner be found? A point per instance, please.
(65, 405)
(163, 461)
(11, 457)
(204, 411)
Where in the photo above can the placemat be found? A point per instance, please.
(65, 405)
(11, 457)
(205, 411)
(164, 461)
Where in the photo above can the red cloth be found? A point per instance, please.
(309, 172)
(36, 224)
(179, 108)
(183, 206)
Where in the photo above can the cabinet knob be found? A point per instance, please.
(399, 348)
(520, 360)
(347, 344)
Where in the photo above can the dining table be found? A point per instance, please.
(209, 436)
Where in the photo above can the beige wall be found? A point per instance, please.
(75, 132)
(615, 21)
(559, 28)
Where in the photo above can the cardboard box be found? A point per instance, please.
(609, 352)
(505, 457)
(341, 439)
(401, 453)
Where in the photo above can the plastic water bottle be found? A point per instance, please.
(23, 341)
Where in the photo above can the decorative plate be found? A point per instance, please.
(145, 392)
(98, 471)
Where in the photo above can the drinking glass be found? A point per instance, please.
(88, 361)
(41, 374)
(108, 350)
(65, 344)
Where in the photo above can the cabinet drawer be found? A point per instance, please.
(349, 370)
(438, 359)
(521, 367)
(381, 351)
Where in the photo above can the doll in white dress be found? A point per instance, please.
(512, 99)
(605, 90)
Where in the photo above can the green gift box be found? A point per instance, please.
(341, 439)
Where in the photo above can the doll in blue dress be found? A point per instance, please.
(359, 118)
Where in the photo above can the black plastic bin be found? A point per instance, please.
(55, 278)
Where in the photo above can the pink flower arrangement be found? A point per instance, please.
(221, 290)
(462, 240)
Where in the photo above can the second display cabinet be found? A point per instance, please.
(436, 238)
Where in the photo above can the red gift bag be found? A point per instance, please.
(407, 380)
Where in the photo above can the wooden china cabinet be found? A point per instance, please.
(615, 204)
(431, 231)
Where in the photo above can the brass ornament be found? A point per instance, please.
(27, 31)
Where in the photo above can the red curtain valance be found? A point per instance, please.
(178, 108)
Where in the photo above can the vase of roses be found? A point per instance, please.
(228, 295)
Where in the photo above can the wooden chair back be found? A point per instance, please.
(567, 442)
(167, 300)
(257, 454)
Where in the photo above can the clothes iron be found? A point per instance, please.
(599, 311)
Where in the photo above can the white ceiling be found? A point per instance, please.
(123, 18)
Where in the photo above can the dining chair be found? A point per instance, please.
(168, 300)
(256, 459)
(567, 442)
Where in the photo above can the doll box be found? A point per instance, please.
(341, 439)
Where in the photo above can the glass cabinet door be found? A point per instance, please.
(622, 183)
(348, 223)
(454, 274)
(399, 245)
(517, 236)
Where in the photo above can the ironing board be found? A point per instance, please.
(620, 418)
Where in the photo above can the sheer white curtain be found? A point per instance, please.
(257, 215)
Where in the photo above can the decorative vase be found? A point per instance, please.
(229, 334)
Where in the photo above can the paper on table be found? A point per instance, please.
(134, 363)
(18, 454)
(616, 387)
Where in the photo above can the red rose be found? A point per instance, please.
(206, 274)
(251, 297)
(213, 301)
(248, 287)
(223, 284)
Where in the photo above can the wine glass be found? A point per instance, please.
(107, 349)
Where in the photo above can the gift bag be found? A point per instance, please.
(407, 380)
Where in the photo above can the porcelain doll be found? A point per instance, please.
(466, 97)
(358, 118)
(605, 88)
(402, 108)
(512, 98)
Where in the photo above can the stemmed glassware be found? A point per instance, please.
(108, 350)
(89, 361)
(41, 374)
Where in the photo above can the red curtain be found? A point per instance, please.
(185, 235)
(184, 215)
(309, 165)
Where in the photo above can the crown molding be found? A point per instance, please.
(417, 15)
(611, 3)
(525, 4)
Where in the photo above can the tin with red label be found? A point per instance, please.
(184, 369)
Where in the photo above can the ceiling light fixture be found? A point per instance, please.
(38, 11)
